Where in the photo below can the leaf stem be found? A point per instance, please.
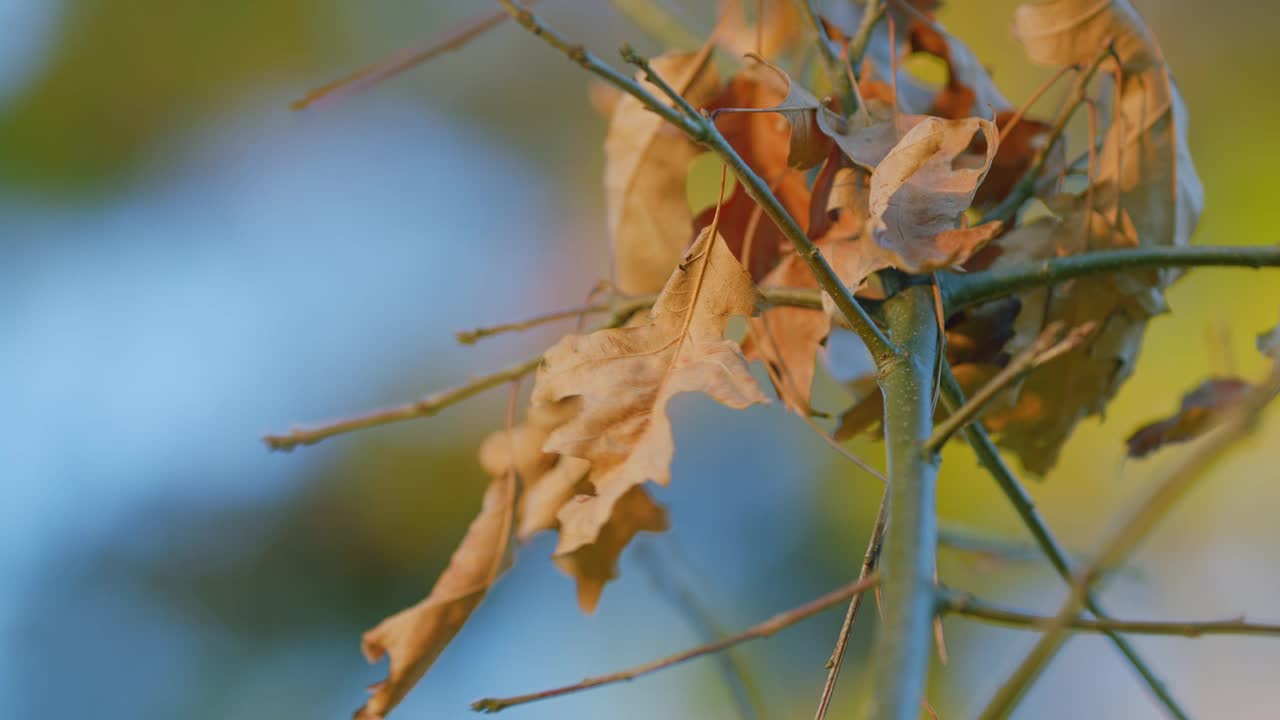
(765, 629)
(953, 399)
(965, 290)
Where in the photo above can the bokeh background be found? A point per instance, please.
(186, 264)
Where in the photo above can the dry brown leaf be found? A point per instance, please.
(415, 637)
(761, 140)
(787, 338)
(625, 378)
(646, 165)
(1146, 194)
(784, 28)
(810, 141)
(590, 554)
(547, 480)
(921, 186)
(1194, 417)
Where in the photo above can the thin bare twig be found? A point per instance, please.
(424, 407)
(680, 591)
(765, 629)
(371, 75)
(1043, 349)
(969, 606)
(471, 337)
(869, 562)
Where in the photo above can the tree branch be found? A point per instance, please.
(1043, 349)
(965, 290)
(764, 629)
(702, 130)
(953, 398)
(978, 609)
(904, 641)
(1235, 425)
(424, 407)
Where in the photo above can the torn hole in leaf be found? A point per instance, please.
(928, 69)
(702, 188)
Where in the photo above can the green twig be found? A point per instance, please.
(966, 290)
(953, 398)
(1235, 425)
(972, 607)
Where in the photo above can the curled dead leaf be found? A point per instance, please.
(1146, 194)
(590, 554)
(1199, 408)
(626, 377)
(416, 636)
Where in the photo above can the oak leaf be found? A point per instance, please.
(921, 186)
(590, 554)
(625, 378)
(547, 480)
(416, 636)
(646, 165)
(1146, 194)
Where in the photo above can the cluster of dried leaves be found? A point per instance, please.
(900, 183)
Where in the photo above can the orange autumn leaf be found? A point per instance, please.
(625, 378)
(588, 553)
(415, 637)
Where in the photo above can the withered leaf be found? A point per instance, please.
(921, 187)
(626, 377)
(805, 113)
(416, 636)
(646, 165)
(547, 480)
(1146, 194)
(1194, 418)
(590, 554)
